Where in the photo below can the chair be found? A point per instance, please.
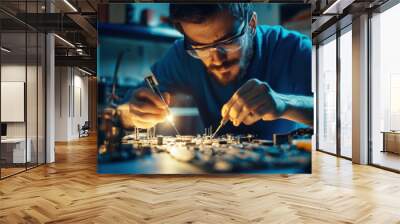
(84, 130)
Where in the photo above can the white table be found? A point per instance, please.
(18, 144)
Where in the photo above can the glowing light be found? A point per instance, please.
(5, 50)
(182, 154)
(70, 5)
(170, 118)
(64, 40)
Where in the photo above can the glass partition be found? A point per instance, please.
(14, 150)
(346, 93)
(327, 95)
(385, 89)
(22, 77)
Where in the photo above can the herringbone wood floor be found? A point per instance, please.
(70, 191)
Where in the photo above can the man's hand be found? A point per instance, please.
(253, 101)
(256, 100)
(145, 109)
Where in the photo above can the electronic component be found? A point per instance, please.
(279, 139)
(160, 140)
(224, 154)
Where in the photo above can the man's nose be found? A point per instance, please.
(218, 56)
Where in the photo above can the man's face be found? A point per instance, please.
(225, 66)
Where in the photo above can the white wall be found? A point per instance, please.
(71, 94)
(12, 73)
(33, 127)
(61, 103)
(80, 96)
(9, 73)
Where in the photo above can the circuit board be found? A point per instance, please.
(203, 154)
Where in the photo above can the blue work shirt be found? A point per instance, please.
(282, 58)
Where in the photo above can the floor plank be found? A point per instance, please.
(70, 191)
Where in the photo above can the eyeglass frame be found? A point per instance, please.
(188, 47)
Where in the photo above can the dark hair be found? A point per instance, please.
(198, 13)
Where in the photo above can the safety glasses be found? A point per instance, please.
(231, 44)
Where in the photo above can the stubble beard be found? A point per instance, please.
(243, 65)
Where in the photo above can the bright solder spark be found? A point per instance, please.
(170, 118)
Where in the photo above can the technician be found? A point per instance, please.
(257, 76)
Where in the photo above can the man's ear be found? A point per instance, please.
(253, 22)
